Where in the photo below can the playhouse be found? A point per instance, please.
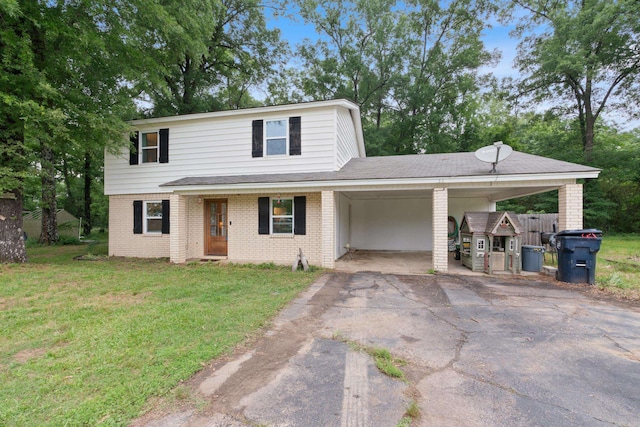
(491, 241)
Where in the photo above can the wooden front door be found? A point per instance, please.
(215, 227)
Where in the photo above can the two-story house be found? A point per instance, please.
(257, 185)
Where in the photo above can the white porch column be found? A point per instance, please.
(178, 228)
(570, 207)
(328, 228)
(440, 229)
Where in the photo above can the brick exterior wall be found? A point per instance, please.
(328, 229)
(178, 235)
(440, 229)
(122, 241)
(246, 245)
(570, 207)
(186, 240)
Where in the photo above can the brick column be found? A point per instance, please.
(178, 230)
(440, 229)
(570, 207)
(328, 228)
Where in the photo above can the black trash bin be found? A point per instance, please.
(577, 251)
(532, 257)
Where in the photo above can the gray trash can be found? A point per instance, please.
(532, 257)
(577, 251)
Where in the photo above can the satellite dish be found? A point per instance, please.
(494, 153)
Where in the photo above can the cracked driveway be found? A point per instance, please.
(481, 351)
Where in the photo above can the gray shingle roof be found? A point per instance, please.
(409, 166)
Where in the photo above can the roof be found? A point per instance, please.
(253, 110)
(416, 166)
(487, 222)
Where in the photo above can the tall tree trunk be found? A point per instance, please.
(12, 249)
(49, 232)
(87, 224)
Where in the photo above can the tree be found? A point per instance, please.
(410, 66)
(585, 52)
(66, 83)
(230, 52)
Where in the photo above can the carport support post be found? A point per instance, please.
(328, 218)
(178, 229)
(570, 207)
(440, 249)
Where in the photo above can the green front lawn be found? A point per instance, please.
(90, 342)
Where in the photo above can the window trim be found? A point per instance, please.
(480, 244)
(272, 216)
(145, 217)
(266, 139)
(142, 148)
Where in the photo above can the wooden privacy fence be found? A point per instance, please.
(534, 224)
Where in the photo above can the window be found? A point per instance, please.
(151, 217)
(281, 216)
(480, 245)
(276, 137)
(149, 146)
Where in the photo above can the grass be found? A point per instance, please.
(618, 265)
(90, 342)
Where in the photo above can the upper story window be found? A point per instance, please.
(276, 137)
(149, 147)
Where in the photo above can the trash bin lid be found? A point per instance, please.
(586, 233)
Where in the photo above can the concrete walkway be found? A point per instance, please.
(480, 351)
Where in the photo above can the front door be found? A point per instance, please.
(216, 227)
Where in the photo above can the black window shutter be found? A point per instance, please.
(164, 146)
(295, 143)
(165, 217)
(137, 217)
(134, 147)
(300, 215)
(263, 215)
(256, 141)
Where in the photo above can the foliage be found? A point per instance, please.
(89, 342)
(230, 52)
(412, 67)
(583, 52)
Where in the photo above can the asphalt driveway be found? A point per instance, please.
(480, 351)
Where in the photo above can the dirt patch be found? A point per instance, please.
(24, 356)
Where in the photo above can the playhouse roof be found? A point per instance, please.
(488, 222)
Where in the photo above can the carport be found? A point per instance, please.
(402, 203)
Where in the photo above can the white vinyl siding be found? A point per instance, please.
(347, 145)
(222, 146)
